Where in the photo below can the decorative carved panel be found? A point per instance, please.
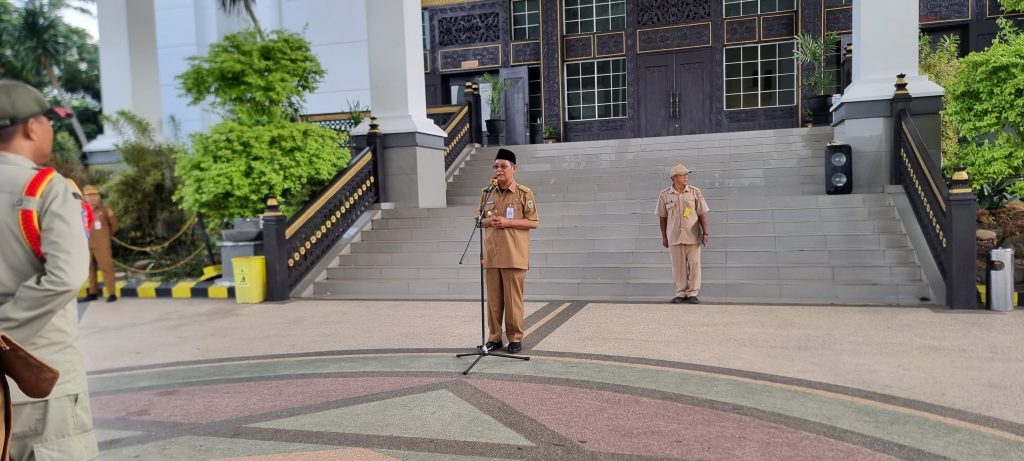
(839, 19)
(661, 12)
(778, 26)
(931, 11)
(612, 44)
(673, 38)
(780, 113)
(596, 126)
(525, 53)
(485, 57)
(469, 29)
(740, 30)
(579, 47)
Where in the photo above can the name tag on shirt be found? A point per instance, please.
(98, 225)
(510, 212)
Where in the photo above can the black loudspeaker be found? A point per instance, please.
(838, 169)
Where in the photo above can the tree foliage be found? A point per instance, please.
(252, 80)
(986, 103)
(259, 148)
(234, 166)
(939, 60)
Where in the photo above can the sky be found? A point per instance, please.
(85, 22)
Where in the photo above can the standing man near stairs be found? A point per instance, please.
(681, 208)
(509, 212)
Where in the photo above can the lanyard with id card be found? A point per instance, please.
(510, 212)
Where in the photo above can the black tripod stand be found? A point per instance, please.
(481, 350)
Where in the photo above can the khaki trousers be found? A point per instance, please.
(100, 258)
(505, 300)
(55, 429)
(686, 269)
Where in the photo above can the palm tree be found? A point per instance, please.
(229, 6)
(42, 44)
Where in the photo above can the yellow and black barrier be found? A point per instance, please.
(179, 289)
(1018, 296)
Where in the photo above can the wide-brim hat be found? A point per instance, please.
(678, 170)
(19, 102)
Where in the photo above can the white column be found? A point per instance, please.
(885, 43)
(396, 67)
(413, 157)
(129, 78)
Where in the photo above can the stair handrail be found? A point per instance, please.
(294, 246)
(947, 214)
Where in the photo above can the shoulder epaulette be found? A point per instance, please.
(524, 188)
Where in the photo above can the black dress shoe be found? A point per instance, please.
(514, 348)
(679, 299)
(89, 297)
(692, 300)
(111, 298)
(493, 345)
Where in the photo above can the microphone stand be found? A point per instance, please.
(481, 350)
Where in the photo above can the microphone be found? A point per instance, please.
(494, 183)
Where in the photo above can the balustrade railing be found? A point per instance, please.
(947, 215)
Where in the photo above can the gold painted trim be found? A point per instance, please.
(920, 161)
(965, 190)
(471, 69)
(593, 46)
(458, 117)
(333, 189)
(621, 33)
(708, 24)
(725, 31)
(426, 56)
(559, 29)
(988, 8)
(512, 53)
(434, 3)
(445, 109)
(760, 26)
(823, 10)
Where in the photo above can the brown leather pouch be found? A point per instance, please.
(33, 376)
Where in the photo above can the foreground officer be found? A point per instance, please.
(100, 252)
(682, 214)
(510, 211)
(45, 260)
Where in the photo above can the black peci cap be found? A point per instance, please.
(505, 154)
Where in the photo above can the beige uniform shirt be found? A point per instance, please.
(37, 299)
(682, 210)
(508, 248)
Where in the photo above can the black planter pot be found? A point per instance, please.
(819, 105)
(495, 128)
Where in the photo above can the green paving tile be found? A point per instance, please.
(187, 448)
(922, 433)
(431, 415)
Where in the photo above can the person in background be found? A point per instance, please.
(682, 213)
(100, 253)
(45, 260)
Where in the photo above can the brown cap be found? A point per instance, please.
(90, 190)
(20, 102)
(678, 170)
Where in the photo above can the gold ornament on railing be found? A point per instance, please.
(901, 84)
(961, 182)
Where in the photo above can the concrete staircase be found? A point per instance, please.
(776, 237)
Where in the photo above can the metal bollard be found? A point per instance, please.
(999, 285)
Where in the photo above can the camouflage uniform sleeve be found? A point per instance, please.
(64, 244)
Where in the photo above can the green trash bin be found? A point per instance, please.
(250, 279)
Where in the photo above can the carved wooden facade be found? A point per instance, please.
(467, 38)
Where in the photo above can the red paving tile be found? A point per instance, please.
(203, 404)
(610, 422)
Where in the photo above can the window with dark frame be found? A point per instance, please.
(525, 19)
(750, 7)
(595, 89)
(760, 75)
(590, 16)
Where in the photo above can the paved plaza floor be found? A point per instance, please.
(209, 379)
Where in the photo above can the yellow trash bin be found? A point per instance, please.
(250, 279)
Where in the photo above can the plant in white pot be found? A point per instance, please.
(495, 124)
(820, 53)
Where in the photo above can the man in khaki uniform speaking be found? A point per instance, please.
(45, 260)
(100, 254)
(681, 208)
(509, 211)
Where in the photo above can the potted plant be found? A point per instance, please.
(808, 118)
(820, 54)
(496, 124)
(550, 134)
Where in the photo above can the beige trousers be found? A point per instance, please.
(686, 269)
(56, 429)
(505, 300)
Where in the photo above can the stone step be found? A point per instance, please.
(784, 222)
(606, 256)
(653, 184)
(651, 194)
(538, 289)
(649, 272)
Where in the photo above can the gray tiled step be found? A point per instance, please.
(604, 256)
(628, 167)
(761, 291)
(611, 184)
(796, 189)
(649, 272)
(813, 221)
